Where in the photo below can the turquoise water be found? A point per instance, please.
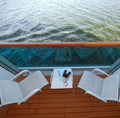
(57, 57)
(59, 20)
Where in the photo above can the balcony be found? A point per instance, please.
(61, 103)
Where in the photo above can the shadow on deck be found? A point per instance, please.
(63, 103)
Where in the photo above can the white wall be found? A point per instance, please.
(4, 74)
(118, 72)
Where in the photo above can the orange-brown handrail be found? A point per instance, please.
(61, 44)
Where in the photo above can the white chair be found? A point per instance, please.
(104, 89)
(18, 92)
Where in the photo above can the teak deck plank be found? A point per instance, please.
(62, 103)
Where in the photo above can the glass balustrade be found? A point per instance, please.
(61, 56)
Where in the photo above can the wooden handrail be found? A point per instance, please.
(60, 44)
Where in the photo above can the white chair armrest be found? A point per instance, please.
(101, 71)
(20, 73)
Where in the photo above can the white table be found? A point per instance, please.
(57, 79)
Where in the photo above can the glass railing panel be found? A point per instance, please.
(61, 56)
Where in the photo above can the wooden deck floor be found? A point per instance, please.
(65, 103)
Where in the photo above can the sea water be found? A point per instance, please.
(59, 20)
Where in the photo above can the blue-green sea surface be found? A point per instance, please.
(59, 20)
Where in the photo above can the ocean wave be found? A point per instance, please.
(47, 21)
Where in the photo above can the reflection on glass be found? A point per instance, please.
(66, 56)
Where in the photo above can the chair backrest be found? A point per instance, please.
(30, 85)
(9, 92)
